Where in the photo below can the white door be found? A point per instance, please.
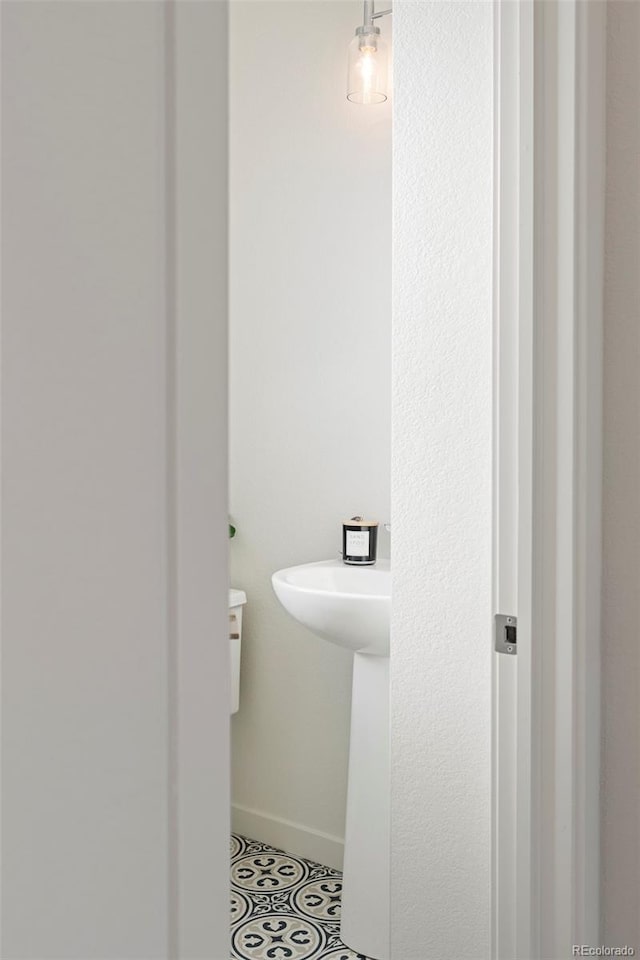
(114, 697)
(548, 300)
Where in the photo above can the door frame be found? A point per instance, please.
(548, 283)
(196, 164)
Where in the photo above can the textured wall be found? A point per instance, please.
(621, 508)
(310, 363)
(441, 481)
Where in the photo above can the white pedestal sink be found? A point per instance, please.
(351, 606)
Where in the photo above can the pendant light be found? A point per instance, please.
(368, 62)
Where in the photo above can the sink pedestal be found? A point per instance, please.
(366, 888)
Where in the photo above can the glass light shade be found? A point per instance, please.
(367, 76)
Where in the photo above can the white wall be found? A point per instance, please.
(441, 481)
(310, 385)
(621, 507)
(98, 426)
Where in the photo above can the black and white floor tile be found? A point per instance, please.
(283, 907)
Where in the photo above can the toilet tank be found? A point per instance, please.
(237, 599)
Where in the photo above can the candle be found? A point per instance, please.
(359, 541)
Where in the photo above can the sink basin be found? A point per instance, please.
(347, 605)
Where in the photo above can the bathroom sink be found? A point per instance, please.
(351, 606)
(347, 605)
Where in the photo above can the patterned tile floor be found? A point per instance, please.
(283, 907)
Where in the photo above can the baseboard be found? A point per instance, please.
(292, 837)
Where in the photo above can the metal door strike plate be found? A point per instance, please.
(506, 634)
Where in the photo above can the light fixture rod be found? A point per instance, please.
(369, 12)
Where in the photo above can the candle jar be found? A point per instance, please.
(359, 541)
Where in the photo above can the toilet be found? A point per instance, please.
(237, 599)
